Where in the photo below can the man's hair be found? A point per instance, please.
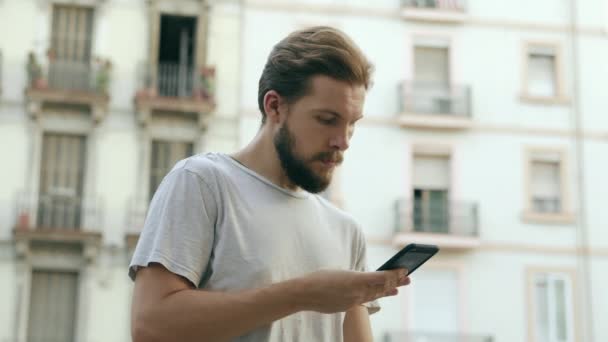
(319, 50)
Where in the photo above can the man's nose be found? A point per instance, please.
(340, 142)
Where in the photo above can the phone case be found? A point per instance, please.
(411, 257)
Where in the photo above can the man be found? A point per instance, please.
(239, 247)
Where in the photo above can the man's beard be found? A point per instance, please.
(296, 169)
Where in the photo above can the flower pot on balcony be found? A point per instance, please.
(23, 221)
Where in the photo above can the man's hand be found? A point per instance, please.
(338, 291)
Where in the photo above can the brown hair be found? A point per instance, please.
(319, 50)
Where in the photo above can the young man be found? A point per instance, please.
(239, 247)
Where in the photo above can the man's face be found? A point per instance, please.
(316, 131)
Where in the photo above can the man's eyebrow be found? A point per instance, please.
(328, 111)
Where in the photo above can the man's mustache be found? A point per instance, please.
(334, 157)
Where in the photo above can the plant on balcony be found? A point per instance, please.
(207, 84)
(102, 79)
(34, 72)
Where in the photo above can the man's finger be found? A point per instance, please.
(405, 281)
(383, 277)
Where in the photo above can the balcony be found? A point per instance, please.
(406, 336)
(1, 63)
(136, 217)
(427, 105)
(58, 218)
(441, 11)
(451, 225)
(170, 87)
(68, 83)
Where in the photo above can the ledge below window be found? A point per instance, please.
(545, 100)
(548, 218)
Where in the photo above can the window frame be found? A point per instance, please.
(560, 96)
(573, 321)
(565, 215)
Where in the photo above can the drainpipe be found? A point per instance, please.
(582, 237)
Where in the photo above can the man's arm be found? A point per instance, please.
(356, 327)
(166, 307)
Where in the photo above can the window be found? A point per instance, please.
(431, 87)
(53, 302)
(431, 65)
(553, 313)
(542, 71)
(177, 48)
(164, 156)
(435, 304)
(546, 192)
(61, 181)
(430, 193)
(71, 41)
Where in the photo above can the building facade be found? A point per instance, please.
(484, 133)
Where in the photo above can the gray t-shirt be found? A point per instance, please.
(225, 228)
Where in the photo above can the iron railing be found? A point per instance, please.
(451, 5)
(443, 217)
(406, 336)
(428, 98)
(91, 77)
(136, 216)
(1, 79)
(57, 211)
(177, 80)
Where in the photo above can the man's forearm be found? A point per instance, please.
(195, 315)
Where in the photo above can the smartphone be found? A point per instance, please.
(410, 257)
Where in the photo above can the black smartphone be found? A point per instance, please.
(410, 257)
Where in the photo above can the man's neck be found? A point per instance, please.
(260, 156)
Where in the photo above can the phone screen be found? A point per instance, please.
(411, 257)
(412, 260)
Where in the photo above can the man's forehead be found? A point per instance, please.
(327, 94)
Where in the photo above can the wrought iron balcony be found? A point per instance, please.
(407, 336)
(428, 98)
(452, 224)
(1, 64)
(60, 82)
(432, 105)
(64, 75)
(171, 87)
(445, 5)
(60, 211)
(177, 81)
(442, 11)
(135, 219)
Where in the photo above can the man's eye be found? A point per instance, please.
(327, 121)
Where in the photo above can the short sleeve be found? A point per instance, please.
(361, 265)
(179, 228)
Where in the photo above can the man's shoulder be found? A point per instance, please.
(207, 166)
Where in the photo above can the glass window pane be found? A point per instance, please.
(541, 75)
(541, 293)
(560, 310)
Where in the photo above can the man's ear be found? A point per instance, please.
(273, 106)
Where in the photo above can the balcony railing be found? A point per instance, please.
(439, 217)
(428, 98)
(434, 337)
(1, 79)
(178, 81)
(448, 5)
(136, 216)
(69, 75)
(57, 212)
